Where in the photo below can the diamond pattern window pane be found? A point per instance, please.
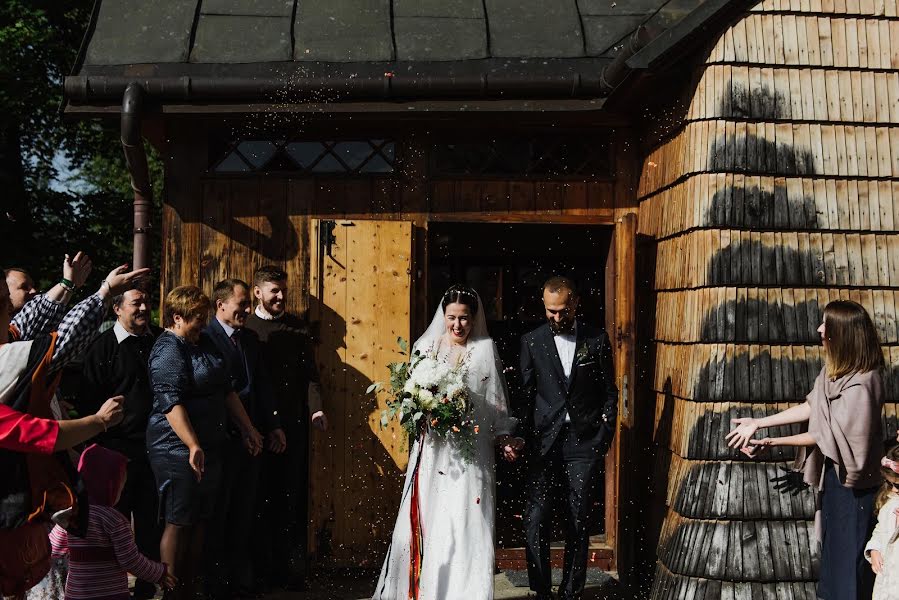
(352, 157)
(377, 164)
(305, 153)
(257, 152)
(328, 164)
(353, 154)
(232, 163)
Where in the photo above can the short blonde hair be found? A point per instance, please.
(187, 301)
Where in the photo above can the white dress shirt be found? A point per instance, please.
(566, 344)
(122, 334)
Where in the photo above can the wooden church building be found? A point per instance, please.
(711, 172)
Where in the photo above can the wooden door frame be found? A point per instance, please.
(620, 277)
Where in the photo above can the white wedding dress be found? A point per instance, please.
(456, 496)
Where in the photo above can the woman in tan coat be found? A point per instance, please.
(840, 453)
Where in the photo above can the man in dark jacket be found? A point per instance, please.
(290, 360)
(568, 415)
(116, 364)
(235, 518)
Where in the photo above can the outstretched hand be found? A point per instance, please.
(740, 435)
(757, 447)
(120, 279)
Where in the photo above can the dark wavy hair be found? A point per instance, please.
(461, 294)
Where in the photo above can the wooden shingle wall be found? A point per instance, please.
(778, 193)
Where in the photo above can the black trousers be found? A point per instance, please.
(570, 468)
(848, 519)
(229, 538)
(284, 516)
(140, 502)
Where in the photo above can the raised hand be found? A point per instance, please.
(741, 434)
(77, 269)
(120, 279)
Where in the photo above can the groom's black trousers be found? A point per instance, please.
(571, 469)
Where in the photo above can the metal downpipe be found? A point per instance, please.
(136, 160)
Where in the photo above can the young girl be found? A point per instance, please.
(881, 550)
(99, 563)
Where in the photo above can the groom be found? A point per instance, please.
(569, 413)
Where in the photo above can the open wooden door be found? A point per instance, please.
(622, 520)
(360, 301)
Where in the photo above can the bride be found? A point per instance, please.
(443, 541)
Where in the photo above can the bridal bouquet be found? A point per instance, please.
(429, 394)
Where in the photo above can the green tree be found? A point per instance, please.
(39, 43)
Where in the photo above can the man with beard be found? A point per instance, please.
(287, 353)
(568, 414)
(116, 364)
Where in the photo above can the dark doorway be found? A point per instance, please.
(507, 264)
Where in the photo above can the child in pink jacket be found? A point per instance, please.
(99, 563)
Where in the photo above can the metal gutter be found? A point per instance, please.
(678, 39)
(389, 86)
(617, 71)
(136, 159)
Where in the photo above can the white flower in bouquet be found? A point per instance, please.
(430, 396)
(426, 400)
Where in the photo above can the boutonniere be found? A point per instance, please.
(582, 354)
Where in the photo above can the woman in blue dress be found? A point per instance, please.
(192, 399)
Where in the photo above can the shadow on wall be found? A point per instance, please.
(353, 477)
(759, 103)
(772, 322)
(752, 207)
(732, 519)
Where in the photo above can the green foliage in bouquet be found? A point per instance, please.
(432, 399)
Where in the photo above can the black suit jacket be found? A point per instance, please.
(256, 395)
(589, 394)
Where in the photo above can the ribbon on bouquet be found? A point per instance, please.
(417, 549)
